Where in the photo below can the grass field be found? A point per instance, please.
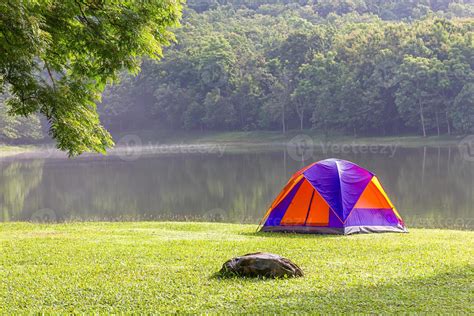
(169, 267)
(276, 137)
(244, 141)
(9, 150)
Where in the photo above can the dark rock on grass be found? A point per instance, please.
(261, 264)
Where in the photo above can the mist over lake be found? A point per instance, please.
(430, 186)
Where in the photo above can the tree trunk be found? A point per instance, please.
(437, 122)
(301, 119)
(300, 112)
(422, 117)
(439, 160)
(283, 119)
(449, 160)
(449, 125)
(241, 118)
(423, 169)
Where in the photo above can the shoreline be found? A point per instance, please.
(195, 221)
(246, 141)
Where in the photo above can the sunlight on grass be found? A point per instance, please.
(169, 267)
(9, 150)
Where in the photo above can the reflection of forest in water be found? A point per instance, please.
(432, 187)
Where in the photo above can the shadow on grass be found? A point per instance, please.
(449, 292)
(232, 276)
(289, 235)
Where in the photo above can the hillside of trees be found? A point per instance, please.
(358, 67)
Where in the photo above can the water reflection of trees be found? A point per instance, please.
(236, 187)
(17, 181)
(436, 186)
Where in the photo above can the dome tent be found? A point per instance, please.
(333, 196)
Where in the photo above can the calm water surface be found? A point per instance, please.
(431, 187)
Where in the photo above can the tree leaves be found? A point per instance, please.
(57, 56)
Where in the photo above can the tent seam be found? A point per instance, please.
(329, 206)
(340, 189)
(309, 206)
(348, 215)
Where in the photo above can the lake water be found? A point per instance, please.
(431, 187)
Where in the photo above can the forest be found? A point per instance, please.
(355, 67)
(213, 156)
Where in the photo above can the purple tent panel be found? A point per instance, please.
(372, 217)
(339, 182)
(278, 212)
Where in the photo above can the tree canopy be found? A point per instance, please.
(57, 56)
(280, 66)
(359, 67)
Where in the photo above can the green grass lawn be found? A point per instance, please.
(10, 150)
(276, 137)
(169, 267)
(318, 138)
(238, 141)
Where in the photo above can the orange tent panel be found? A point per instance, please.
(293, 181)
(319, 212)
(296, 212)
(372, 197)
(377, 183)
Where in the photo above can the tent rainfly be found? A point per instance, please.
(333, 196)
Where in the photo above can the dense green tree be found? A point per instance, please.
(386, 9)
(359, 67)
(416, 97)
(356, 78)
(18, 128)
(57, 56)
(463, 109)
